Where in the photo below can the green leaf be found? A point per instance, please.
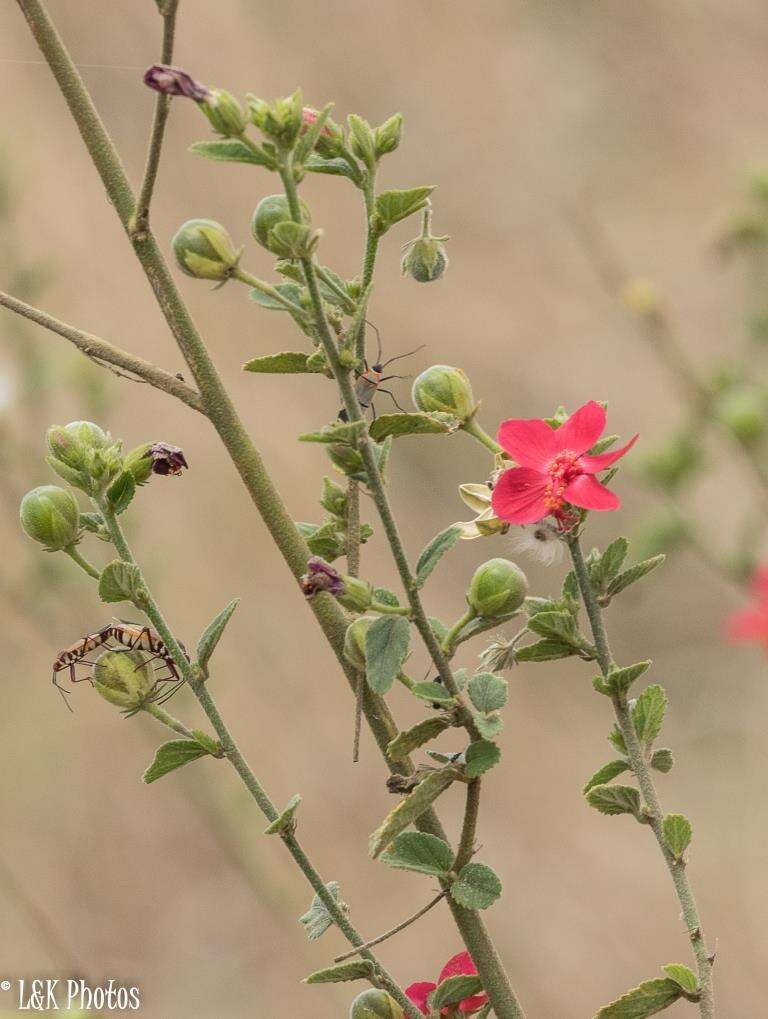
(121, 581)
(481, 624)
(633, 574)
(417, 736)
(615, 799)
(433, 423)
(649, 998)
(284, 822)
(344, 973)
(290, 291)
(622, 679)
(412, 807)
(435, 550)
(439, 628)
(431, 692)
(571, 587)
(677, 832)
(489, 726)
(340, 431)
(386, 648)
(231, 151)
(477, 886)
(209, 743)
(606, 774)
(481, 756)
(212, 633)
(616, 740)
(663, 760)
(121, 491)
(683, 976)
(392, 206)
(338, 167)
(171, 756)
(488, 692)
(544, 651)
(289, 362)
(613, 559)
(417, 851)
(559, 626)
(648, 713)
(317, 919)
(453, 990)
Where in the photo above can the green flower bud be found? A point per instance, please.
(50, 515)
(225, 113)
(424, 260)
(354, 642)
(357, 594)
(386, 136)
(269, 212)
(71, 443)
(139, 462)
(444, 388)
(334, 498)
(497, 587)
(743, 412)
(204, 249)
(375, 1004)
(123, 678)
(83, 454)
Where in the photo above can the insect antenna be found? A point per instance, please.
(399, 357)
(378, 338)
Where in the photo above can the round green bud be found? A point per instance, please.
(139, 462)
(497, 587)
(743, 412)
(375, 1004)
(354, 641)
(72, 443)
(225, 113)
(123, 678)
(357, 594)
(446, 389)
(204, 249)
(269, 212)
(425, 260)
(50, 515)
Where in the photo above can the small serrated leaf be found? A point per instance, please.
(481, 756)
(121, 491)
(648, 714)
(416, 423)
(412, 807)
(340, 432)
(649, 998)
(288, 362)
(683, 976)
(386, 648)
(663, 760)
(285, 820)
(121, 581)
(212, 634)
(392, 206)
(410, 739)
(544, 651)
(677, 832)
(633, 574)
(559, 626)
(343, 973)
(477, 886)
(172, 755)
(434, 551)
(489, 726)
(620, 680)
(420, 852)
(615, 799)
(317, 919)
(488, 692)
(432, 692)
(606, 774)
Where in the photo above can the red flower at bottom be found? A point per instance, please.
(459, 965)
(554, 469)
(750, 626)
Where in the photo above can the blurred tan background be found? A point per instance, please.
(651, 112)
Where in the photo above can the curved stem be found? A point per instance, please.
(473, 428)
(642, 770)
(455, 630)
(469, 825)
(235, 757)
(264, 288)
(83, 563)
(353, 528)
(394, 930)
(168, 720)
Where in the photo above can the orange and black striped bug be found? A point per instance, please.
(368, 382)
(129, 637)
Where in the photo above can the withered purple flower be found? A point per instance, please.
(172, 81)
(167, 459)
(321, 576)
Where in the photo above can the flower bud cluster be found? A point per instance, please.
(351, 592)
(84, 455)
(329, 539)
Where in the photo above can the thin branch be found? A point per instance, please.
(394, 930)
(140, 221)
(99, 350)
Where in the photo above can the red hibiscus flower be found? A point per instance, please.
(750, 626)
(554, 469)
(459, 965)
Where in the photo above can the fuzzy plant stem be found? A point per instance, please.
(83, 563)
(235, 757)
(642, 770)
(489, 966)
(168, 720)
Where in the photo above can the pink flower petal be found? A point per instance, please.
(582, 429)
(470, 1005)
(418, 994)
(587, 492)
(519, 496)
(749, 625)
(759, 582)
(593, 464)
(529, 441)
(459, 965)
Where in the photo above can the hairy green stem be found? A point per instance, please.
(264, 288)
(490, 968)
(235, 757)
(642, 769)
(168, 720)
(469, 825)
(473, 428)
(396, 929)
(369, 257)
(455, 630)
(82, 562)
